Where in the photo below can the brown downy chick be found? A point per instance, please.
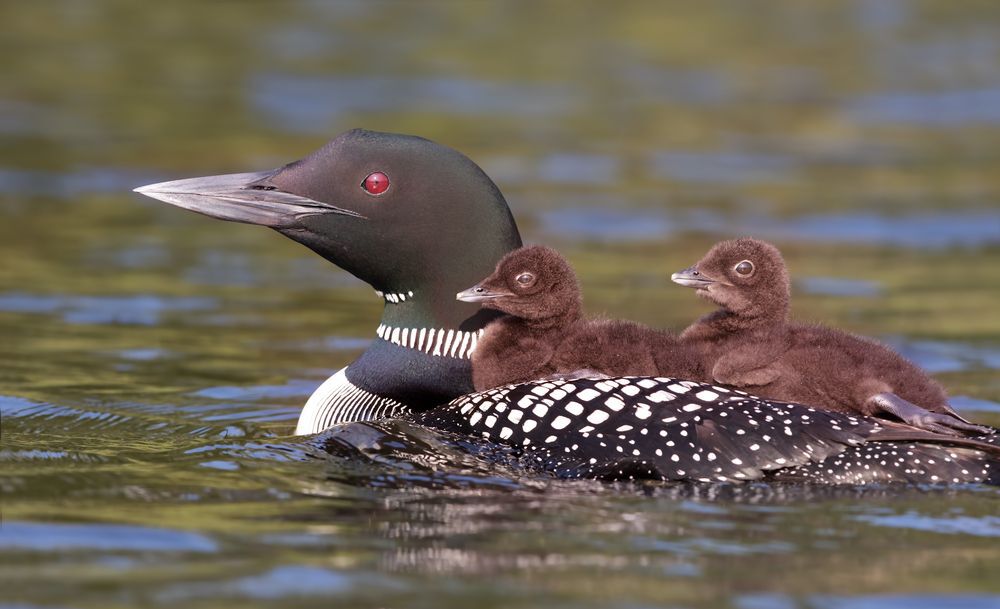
(545, 334)
(538, 291)
(750, 342)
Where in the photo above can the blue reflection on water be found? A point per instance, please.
(291, 580)
(964, 403)
(143, 355)
(981, 526)
(933, 109)
(605, 224)
(943, 356)
(722, 167)
(71, 184)
(923, 601)
(928, 230)
(143, 309)
(838, 286)
(286, 581)
(293, 388)
(579, 169)
(305, 103)
(93, 536)
(765, 601)
(879, 16)
(933, 230)
(10, 405)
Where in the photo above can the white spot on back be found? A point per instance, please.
(661, 396)
(560, 422)
(597, 417)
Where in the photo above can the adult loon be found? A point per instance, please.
(420, 222)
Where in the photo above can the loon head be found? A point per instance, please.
(416, 220)
(744, 276)
(410, 217)
(534, 283)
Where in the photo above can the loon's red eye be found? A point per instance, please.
(376, 183)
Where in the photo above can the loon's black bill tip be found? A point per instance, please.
(240, 197)
(478, 294)
(690, 278)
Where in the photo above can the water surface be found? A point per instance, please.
(153, 362)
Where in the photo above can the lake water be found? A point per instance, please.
(153, 362)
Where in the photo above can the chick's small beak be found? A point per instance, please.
(691, 278)
(478, 293)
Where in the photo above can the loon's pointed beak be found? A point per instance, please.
(477, 293)
(240, 197)
(691, 278)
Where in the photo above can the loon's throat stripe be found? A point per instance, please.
(394, 297)
(438, 342)
(338, 400)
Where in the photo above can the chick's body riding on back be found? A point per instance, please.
(749, 342)
(545, 333)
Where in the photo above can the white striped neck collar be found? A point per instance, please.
(437, 342)
(395, 297)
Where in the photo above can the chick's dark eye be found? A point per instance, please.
(744, 268)
(376, 183)
(525, 279)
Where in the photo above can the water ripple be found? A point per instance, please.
(300, 103)
(931, 230)
(981, 526)
(71, 184)
(944, 356)
(886, 601)
(292, 388)
(140, 309)
(935, 109)
(898, 601)
(722, 167)
(839, 286)
(44, 537)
